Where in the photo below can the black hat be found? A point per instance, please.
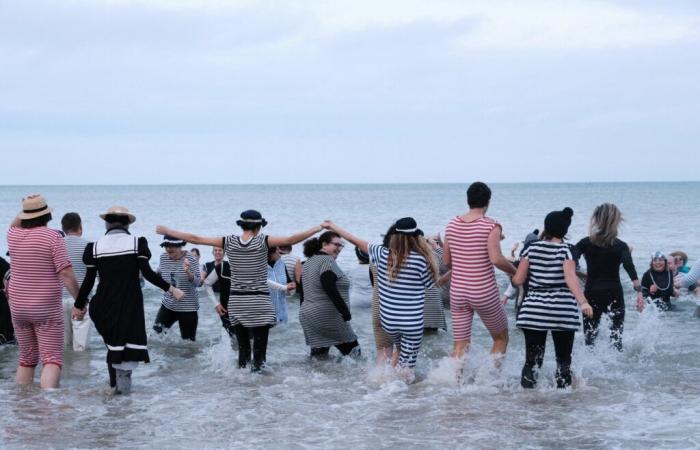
(407, 226)
(556, 224)
(251, 217)
(169, 241)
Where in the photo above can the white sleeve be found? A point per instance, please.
(693, 276)
(275, 285)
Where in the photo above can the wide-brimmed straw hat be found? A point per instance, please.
(119, 211)
(34, 206)
(251, 217)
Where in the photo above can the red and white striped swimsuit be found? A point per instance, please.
(473, 281)
(35, 290)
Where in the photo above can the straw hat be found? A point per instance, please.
(119, 211)
(34, 206)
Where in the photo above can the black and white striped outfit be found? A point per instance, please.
(249, 302)
(171, 270)
(549, 304)
(402, 301)
(434, 312)
(321, 321)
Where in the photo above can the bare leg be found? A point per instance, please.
(50, 376)
(460, 348)
(25, 375)
(383, 355)
(500, 345)
(395, 357)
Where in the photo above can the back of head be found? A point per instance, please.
(116, 220)
(478, 195)
(71, 222)
(401, 245)
(605, 222)
(314, 245)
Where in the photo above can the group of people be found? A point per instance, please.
(406, 272)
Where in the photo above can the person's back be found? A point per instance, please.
(473, 273)
(603, 263)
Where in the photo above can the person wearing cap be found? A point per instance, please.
(604, 253)
(405, 269)
(472, 248)
(181, 269)
(324, 313)
(40, 269)
(116, 309)
(552, 300)
(250, 309)
(76, 332)
(657, 282)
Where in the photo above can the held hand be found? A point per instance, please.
(291, 286)
(587, 310)
(78, 314)
(640, 302)
(177, 293)
(347, 317)
(504, 299)
(678, 280)
(327, 224)
(653, 289)
(220, 310)
(160, 229)
(186, 265)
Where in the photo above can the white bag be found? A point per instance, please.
(81, 329)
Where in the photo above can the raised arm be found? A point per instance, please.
(495, 253)
(188, 237)
(277, 241)
(356, 241)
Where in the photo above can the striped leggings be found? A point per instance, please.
(408, 340)
(490, 309)
(40, 339)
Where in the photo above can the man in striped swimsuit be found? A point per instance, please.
(472, 248)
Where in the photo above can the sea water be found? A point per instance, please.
(192, 396)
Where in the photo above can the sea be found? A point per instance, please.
(192, 395)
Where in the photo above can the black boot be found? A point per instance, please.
(528, 380)
(112, 375)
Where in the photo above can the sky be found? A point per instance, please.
(359, 91)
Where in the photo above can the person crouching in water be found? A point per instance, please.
(551, 300)
(405, 269)
(117, 306)
(657, 283)
(181, 269)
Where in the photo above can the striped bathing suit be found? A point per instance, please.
(549, 304)
(473, 283)
(401, 301)
(35, 291)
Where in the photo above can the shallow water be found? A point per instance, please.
(191, 396)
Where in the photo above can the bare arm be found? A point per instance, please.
(495, 254)
(575, 287)
(67, 276)
(191, 238)
(521, 273)
(446, 255)
(356, 241)
(277, 241)
(16, 222)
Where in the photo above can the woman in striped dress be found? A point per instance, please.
(434, 312)
(324, 313)
(249, 307)
(405, 269)
(180, 269)
(551, 301)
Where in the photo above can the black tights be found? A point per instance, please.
(345, 348)
(535, 341)
(605, 301)
(259, 336)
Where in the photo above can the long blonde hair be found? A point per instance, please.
(401, 245)
(605, 221)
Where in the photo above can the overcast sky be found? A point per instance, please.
(193, 91)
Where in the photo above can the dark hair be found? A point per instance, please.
(285, 247)
(314, 245)
(478, 195)
(71, 222)
(387, 235)
(36, 222)
(245, 226)
(271, 250)
(362, 257)
(117, 219)
(196, 250)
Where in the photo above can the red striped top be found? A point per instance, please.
(38, 255)
(473, 275)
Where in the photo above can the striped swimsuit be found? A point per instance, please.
(402, 301)
(35, 291)
(473, 283)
